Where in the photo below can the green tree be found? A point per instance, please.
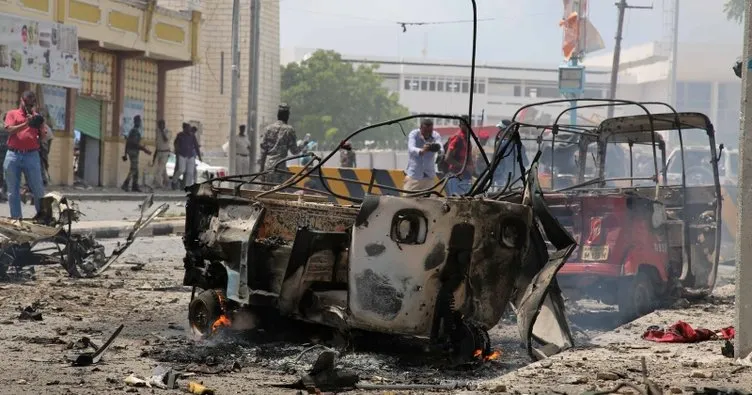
(734, 10)
(329, 98)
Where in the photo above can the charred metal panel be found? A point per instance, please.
(285, 218)
(397, 290)
(231, 232)
(539, 304)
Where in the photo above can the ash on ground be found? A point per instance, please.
(372, 356)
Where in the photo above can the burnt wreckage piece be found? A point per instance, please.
(49, 240)
(443, 269)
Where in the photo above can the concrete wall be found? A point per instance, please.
(202, 92)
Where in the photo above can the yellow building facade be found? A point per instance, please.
(125, 49)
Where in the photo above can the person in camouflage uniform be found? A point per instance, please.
(278, 139)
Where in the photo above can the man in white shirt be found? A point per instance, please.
(422, 145)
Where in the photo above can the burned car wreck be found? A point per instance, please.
(427, 266)
(49, 239)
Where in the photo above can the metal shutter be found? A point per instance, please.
(89, 117)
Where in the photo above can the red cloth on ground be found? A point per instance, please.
(681, 332)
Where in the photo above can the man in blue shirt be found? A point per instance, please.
(422, 145)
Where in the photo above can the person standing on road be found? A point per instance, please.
(422, 145)
(278, 139)
(133, 149)
(455, 159)
(186, 150)
(26, 128)
(161, 154)
(346, 156)
(242, 152)
(3, 151)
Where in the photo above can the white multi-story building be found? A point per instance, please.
(442, 87)
(705, 83)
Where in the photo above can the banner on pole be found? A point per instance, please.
(580, 36)
(39, 52)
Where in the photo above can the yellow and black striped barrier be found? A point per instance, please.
(353, 182)
(729, 211)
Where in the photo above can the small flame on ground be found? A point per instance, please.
(496, 354)
(222, 322)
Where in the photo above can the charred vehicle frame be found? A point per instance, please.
(420, 264)
(639, 245)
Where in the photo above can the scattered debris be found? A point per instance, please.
(30, 314)
(700, 374)
(728, 349)
(608, 376)
(199, 389)
(82, 344)
(42, 340)
(324, 377)
(49, 240)
(138, 266)
(134, 381)
(649, 387)
(576, 380)
(88, 358)
(163, 377)
(746, 361)
(681, 332)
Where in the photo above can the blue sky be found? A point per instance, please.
(521, 30)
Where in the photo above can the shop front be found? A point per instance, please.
(88, 140)
(93, 69)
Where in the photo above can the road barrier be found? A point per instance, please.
(353, 182)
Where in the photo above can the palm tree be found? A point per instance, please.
(734, 10)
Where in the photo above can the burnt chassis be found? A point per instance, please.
(420, 265)
(693, 221)
(50, 240)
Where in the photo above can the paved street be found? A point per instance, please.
(107, 210)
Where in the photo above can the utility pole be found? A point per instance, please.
(234, 82)
(744, 221)
(253, 82)
(622, 6)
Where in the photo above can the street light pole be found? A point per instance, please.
(622, 6)
(235, 82)
(744, 222)
(253, 83)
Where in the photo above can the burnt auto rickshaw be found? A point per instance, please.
(642, 238)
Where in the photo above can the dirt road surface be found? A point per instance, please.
(152, 306)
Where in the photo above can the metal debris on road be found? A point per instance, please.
(30, 314)
(88, 358)
(49, 239)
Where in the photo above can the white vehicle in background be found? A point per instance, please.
(204, 171)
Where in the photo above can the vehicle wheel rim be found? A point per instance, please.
(200, 317)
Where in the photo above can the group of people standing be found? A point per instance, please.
(185, 147)
(425, 146)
